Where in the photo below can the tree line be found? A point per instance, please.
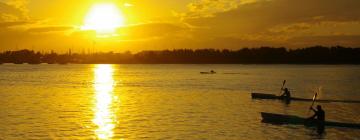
(261, 55)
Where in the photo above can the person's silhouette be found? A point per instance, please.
(320, 118)
(286, 95)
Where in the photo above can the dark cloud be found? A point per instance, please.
(269, 20)
(259, 16)
(10, 12)
(50, 29)
(15, 23)
(208, 24)
(5, 8)
(150, 30)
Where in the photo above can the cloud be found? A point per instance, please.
(204, 24)
(273, 21)
(50, 29)
(5, 8)
(208, 8)
(12, 24)
(13, 10)
(150, 30)
(264, 14)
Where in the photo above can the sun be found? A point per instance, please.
(104, 19)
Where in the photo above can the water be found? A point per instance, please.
(169, 101)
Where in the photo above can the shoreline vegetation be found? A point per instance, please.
(262, 55)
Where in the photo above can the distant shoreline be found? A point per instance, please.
(317, 55)
(175, 64)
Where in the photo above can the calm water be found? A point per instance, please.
(168, 101)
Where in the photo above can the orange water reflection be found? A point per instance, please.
(104, 116)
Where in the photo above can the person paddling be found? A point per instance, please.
(320, 118)
(286, 95)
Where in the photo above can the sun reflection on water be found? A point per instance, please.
(104, 116)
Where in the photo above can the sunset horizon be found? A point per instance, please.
(111, 25)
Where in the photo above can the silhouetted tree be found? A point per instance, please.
(262, 55)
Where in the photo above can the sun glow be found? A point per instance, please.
(104, 19)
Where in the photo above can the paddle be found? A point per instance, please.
(282, 86)
(314, 99)
(312, 104)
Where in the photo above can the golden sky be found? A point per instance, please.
(168, 24)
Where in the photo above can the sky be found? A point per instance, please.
(46, 25)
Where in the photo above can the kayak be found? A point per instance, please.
(281, 119)
(207, 72)
(273, 96)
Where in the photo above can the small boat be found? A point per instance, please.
(211, 72)
(281, 119)
(276, 97)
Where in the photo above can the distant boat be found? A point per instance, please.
(281, 119)
(211, 72)
(276, 97)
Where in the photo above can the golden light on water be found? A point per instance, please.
(104, 116)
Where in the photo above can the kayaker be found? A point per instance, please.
(286, 94)
(320, 118)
